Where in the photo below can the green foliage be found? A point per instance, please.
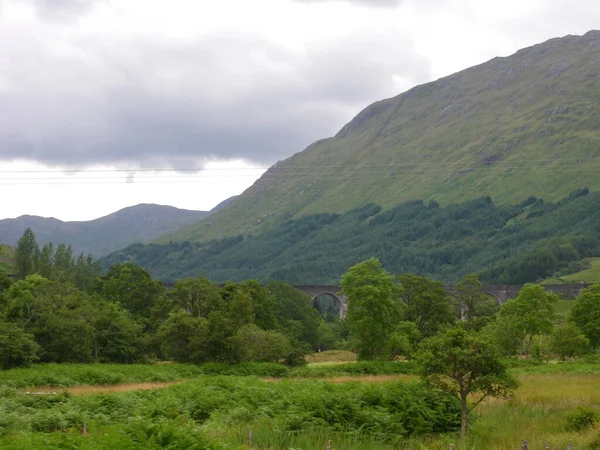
(372, 307)
(581, 418)
(475, 308)
(255, 344)
(296, 317)
(427, 304)
(585, 314)
(25, 254)
(388, 412)
(17, 348)
(568, 342)
(504, 244)
(130, 286)
(462, 363)
(531, 313)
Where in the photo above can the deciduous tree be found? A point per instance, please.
(462, 363)
(585, 314)
(372, 307)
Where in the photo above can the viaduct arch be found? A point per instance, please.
(502, 293)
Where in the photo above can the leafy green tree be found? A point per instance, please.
(531, 313)
(240, 309)
(63, 263)
(263, 302)
(252, 343)
(45, 262)
(212, 342)
(475, 308)
(26, 253)
(86, 269)
(585, 314)
(64, 335)
(404, 340)
(568, 341)
(116, 337)
(131, 286)
(176, 334)
(17, 348)
(462, 363)
(427, 304)
(198, 296)
(296, 317)
(372, 307)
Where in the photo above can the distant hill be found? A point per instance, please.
(140, 223)
(504, 244)
(516, 126)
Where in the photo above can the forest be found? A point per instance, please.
(501, 243)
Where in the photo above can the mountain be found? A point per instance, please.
(516, 126)
(504, 244)
(140, 223)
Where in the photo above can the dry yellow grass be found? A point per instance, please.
(89, 390)
(332, 356)
(356, 378)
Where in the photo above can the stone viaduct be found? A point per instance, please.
(502, 293)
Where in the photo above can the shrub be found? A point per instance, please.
(581, 418)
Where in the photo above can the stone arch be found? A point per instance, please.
(491, 295)
(337, 299)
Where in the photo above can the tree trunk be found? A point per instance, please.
(464, 416)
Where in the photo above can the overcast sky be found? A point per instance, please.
(228, 86)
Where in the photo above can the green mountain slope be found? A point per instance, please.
(505, 244)
(523, 125)
(140, 223)
(7, 255)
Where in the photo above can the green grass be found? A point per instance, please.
(65, 375)
(218, 412)
(588, 275)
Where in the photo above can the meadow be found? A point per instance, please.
(359, 406)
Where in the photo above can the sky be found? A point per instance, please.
(110, 103)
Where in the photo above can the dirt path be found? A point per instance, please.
(89, 390)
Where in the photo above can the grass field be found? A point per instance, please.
(177, 406)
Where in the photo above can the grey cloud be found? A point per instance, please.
(61, 10)
(375, 3)
(222, 96)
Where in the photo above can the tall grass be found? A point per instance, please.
(111, 374)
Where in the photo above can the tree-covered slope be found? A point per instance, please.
(527, 124)
(140, 223)
(504, 244)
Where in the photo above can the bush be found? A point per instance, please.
(581, 418)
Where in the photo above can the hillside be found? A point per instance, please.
(516, 126)
(7, 255)
(140, 223)
(504, 244)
